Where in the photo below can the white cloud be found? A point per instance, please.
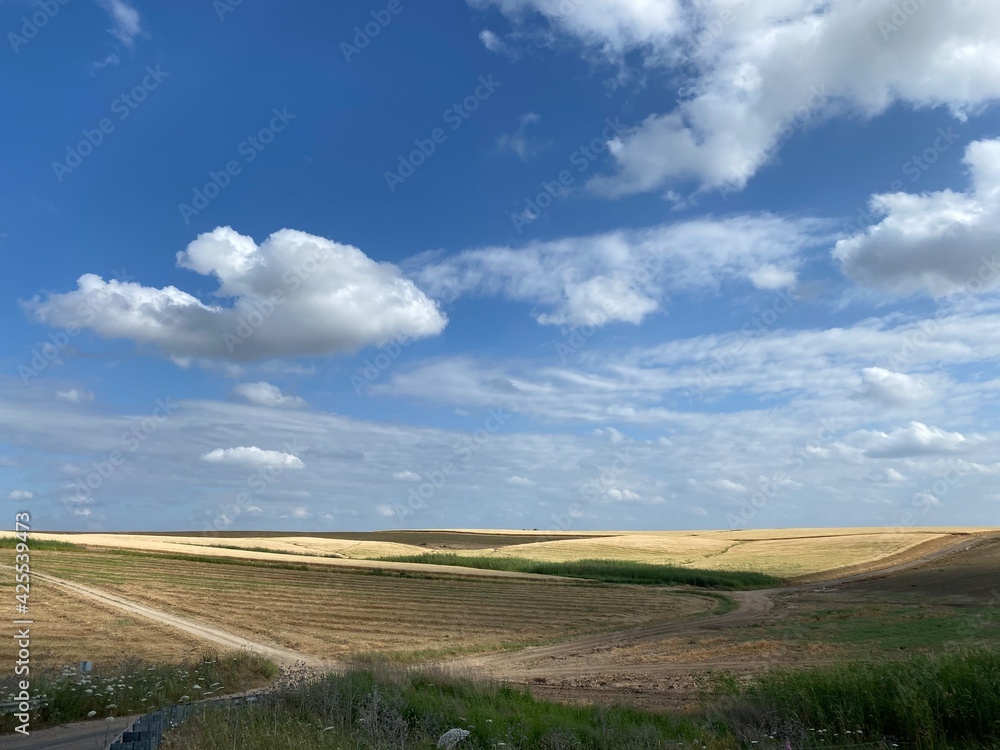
(301, 512)
(491, 41)
(20, 495)
(252, 456)
(75, 396)
(612, 25)
(886, 475)
(772, 277)
(384, 511)
(939, 243)
(754, 72)
(916, 439)
(406, 476)
(726, 485)
(623, 276)
(266, 394)
(295, 294)
(888, 388)
(519, 481)
(611, 434)
(127, 25)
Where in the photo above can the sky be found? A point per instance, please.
(553, 264)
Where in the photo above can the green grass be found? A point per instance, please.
(946, 700)
(378, 706)
(865, 629)
(10, 542)
(133, 687)
(608, 571)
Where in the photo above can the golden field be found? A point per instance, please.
(781, 552)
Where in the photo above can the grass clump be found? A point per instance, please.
(380, 707)
(947, 700)
(134, 687)
(607, 571)
(11, 542)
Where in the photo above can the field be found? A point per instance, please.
(783, 553)
(333, 613)
(878, 597)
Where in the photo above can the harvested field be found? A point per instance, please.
(331, 614)
(780, 556)
(781, 552)
(68, 629)
(967, 578)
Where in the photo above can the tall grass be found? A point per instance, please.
(11, 542)
(134, 687)
(381, 708)
(926, 701)
(608, 571)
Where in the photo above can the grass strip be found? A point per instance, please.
(607, 571)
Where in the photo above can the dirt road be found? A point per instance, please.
(283, 656)
(605, 665)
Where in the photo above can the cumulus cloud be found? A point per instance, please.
(75, 396)
(266, 394)
(253, 457)
(406, 476)
(916, 439)
(294, 294)
(938, 243)
(20, 495)
(127, 25)
(623, 276)
(888, 388)
(752, 73)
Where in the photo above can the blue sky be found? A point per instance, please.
(500, 263)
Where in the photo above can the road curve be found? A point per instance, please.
(752, 606)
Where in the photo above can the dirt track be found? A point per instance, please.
(586, 663)
(602, 667)
(220, 637)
